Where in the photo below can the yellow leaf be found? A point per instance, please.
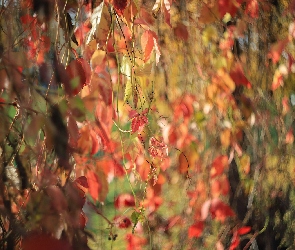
(245, 163)
(225, 138)
(226, 79)
(209, 34)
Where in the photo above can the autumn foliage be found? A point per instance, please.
(157, 124)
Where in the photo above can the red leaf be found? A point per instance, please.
(119, 5)
(77, 77)
(235, 241)
(230, 6)
(277, 49)
(252, 8)
(244, 230)
(166, 9)
(62, 76)
(196, 229)
(238, 76)
(218, 165)
(83, 220)
(158, 148)
(219, 210)
(73, 131)
(152, 201)
(122, 221)
(82, 180)
(134, 242)
(219, 186)
(81, 33)
(124, 200)
(181, 31)
(37, 241)
(138, 123)
(2, 101)
(87, 70)
(28, 19)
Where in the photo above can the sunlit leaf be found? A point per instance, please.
(100, 22)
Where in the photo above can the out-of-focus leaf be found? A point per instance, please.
(238, 76)
(209, 35)
(196, 229)
(97, 58)
(77, 108)
(181, 31)
(228, 6)
(98, 185)
(235, 241)
(124, 200)
(219, 210)
(252, 8)
(37, 241)
(277, 49)
(58, 200)
(218, 165)
(245, 163)
(244, 230)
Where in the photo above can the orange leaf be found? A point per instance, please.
(244, 230)
(147, 44)
(95, 142)
(220, 186)
(98, 185)
(208, 14)
(219, 210)
(218, 165)
(289, 137)
(196, 229)
(183, 163)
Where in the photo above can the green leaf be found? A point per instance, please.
(128, 91)
(135, 217)
(78, 108)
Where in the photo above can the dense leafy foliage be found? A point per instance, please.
(147, 124)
